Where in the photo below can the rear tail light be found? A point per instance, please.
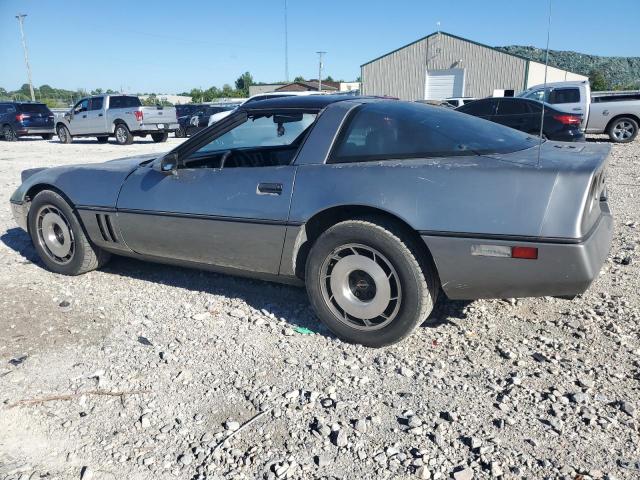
(22, 116)
(139, 115)
(568, 119)
(526, 253)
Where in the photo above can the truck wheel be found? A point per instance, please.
(59, 238)
(123, 135)
(47, 136)
(179, 133)
(369, 281)
(160, 137)
(64, 135)
(103, 139)
(623, 130)
(9, 134)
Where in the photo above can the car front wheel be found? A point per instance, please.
(47, 136)
(64, 135)
(370, 282)
(59, 238)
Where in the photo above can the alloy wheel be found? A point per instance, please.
(55, 235)
(623, 130)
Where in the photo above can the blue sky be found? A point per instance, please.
(162, 46)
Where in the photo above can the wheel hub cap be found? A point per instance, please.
(361, 287)
(55, 235)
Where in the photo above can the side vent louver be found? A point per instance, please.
(106, 228)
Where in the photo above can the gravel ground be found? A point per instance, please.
(213, 376)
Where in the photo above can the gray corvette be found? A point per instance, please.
(376, 205)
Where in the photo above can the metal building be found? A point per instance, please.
(442, 65)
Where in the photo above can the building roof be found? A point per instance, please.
(313, 102)
(310, 84)
(449, 35)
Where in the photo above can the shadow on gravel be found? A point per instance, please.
(284, 301)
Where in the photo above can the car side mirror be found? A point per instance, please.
(168, 164)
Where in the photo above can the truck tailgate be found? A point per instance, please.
(159, 115)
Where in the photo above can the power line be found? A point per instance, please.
(20, 18)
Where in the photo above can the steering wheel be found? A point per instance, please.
(224, 158)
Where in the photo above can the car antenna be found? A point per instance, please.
(544, 88)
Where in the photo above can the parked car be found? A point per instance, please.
(22, 119)
(526, 115)
(120, 116)
(375, 205)
(615, 113)
(196, 118)
(458, 101)
(263, 96)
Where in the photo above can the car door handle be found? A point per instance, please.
(100, 114)
(269, 189)
(84, 116)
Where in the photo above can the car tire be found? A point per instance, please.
(381, 264)
(47, 136)
(63, 134)
(122, 134)
(180, 133)
(160, 137)
(9, 134)
(103, 139)
(623, 130)
(59, 238)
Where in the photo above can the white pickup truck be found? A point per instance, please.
(118, 116)
(615, 113)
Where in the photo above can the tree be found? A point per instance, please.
(598, 80)
(243, 83)
(97, 91)
(329, 79)
(299, 78)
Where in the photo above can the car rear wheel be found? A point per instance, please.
(103, 139)
(9, 133)
(59, 238)
(123, 135)
(47, 136)
(159, 137)
(623, 130)
(179, 133)
(64, 135)
(369, 282)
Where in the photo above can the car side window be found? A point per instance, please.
(81, 106)
(480, 107)
(512, 107)
(265, 139)
(3, 108)
(394, 131)
(96, 103)
(564, 95)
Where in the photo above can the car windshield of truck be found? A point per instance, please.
(34, 108)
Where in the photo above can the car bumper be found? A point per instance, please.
(561, 269)
(153, 127)
(20, 212)
(35, 131)
(568, 136)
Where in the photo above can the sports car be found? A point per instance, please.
(376, 205)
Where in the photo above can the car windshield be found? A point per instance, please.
(393, 130)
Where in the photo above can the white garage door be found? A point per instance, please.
(443, 84)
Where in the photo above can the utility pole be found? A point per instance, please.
(320, 54)
(20, 18)
(286, 44)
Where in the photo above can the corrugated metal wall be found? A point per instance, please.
(402, 73)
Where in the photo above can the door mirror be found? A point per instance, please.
(168, 164)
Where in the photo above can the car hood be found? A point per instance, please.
(92, 184)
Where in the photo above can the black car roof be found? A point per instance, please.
(297, 101)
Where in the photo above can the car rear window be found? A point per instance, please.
(124, 102)
(33, 108)
(564, 95)
(394, 130)
(512, 107)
